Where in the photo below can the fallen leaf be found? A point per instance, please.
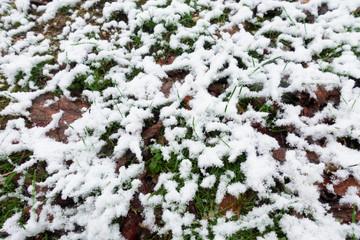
(323, 9)
(308, 112)
(186, 102)
(218, 87)
(39, 2)
(132, 220)
(119, 163)
(64, 203)
(175, 75)
(280, 136)
(279, 154)
(228, 203)
(312, 105)
(341, 188)
(41, 116)
(232, 30)
(193, 210)
(162, 140)
(331, 168)
(4, 234)
(211, 214)
(130, 225)
(312, 157)
(127, 157)
(195, 19)
(344, 212)
(310, 18)
(166, 61)
(151, 132)
(166, 87)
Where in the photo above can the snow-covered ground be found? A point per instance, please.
(248, 71)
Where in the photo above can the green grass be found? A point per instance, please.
(204, 201)
(36, 77)
(14, 204)
(224, 17)
(269, 15)
(186, 21)
(99, 81)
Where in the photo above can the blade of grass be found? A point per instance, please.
(230, 98)
(193, 123)
(223, 141)
(352, 106)
(33, 191)
(10, 175)
(13, 48)
(240, 90)
(344, 100)
(265, 63)
(289, 16)
(13, 98)
(286, 65)
(121, 94)
(353, 219)
(119, 110)
(270, 61)
(6, 174)
(83, 43)
(354, 165)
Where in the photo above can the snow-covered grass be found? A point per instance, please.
(226, 85)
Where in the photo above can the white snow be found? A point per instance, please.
(214, 143)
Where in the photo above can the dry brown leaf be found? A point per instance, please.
(341, 188)
(232, 30)
(312, 157)
(195, 19)
(344, 212)
(131, 223)
(166, 61)
(279, 154)
(151, 132)
(186, 102)
(40, 116)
